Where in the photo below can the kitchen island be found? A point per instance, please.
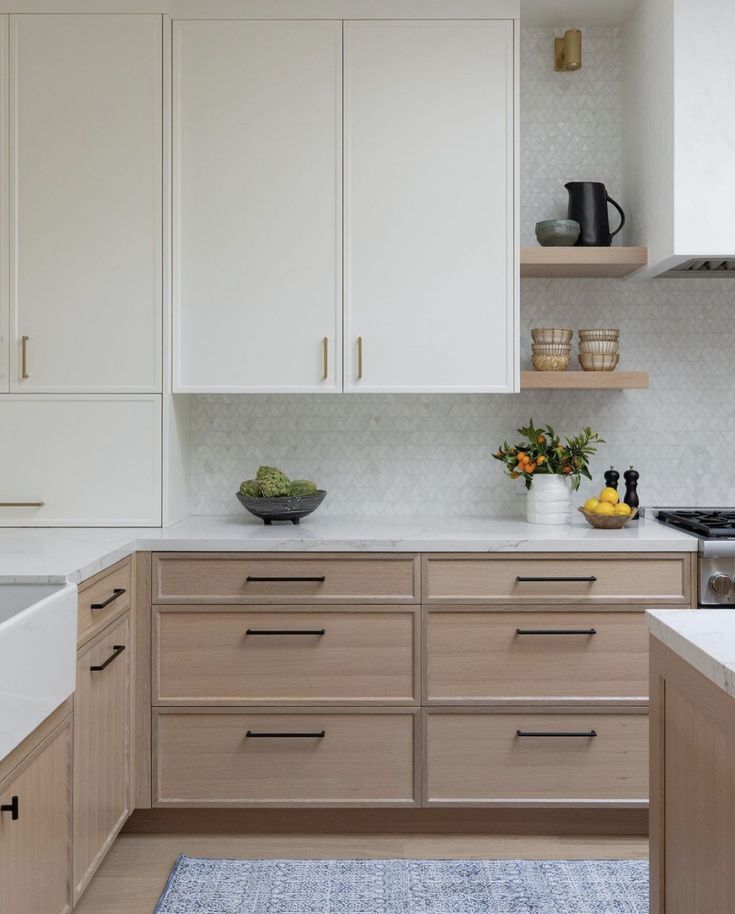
(692, 755)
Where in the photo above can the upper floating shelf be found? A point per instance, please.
(582, 263)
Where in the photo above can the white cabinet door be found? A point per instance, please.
(429, 231)
(85, 203)
(4, 285)
(80, 461)
(257, 206)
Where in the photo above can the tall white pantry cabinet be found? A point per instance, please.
(344, 203)
(81, 140)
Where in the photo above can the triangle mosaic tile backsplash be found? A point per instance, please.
(430, 454)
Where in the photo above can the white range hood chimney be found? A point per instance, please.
(679, 136)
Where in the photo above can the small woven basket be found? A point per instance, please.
(608, 521)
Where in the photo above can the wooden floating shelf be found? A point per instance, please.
(584, 380)
(581, 263)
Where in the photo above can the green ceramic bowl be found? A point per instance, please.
(557, 233)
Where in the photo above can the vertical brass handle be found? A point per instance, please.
(24, 358)
(325, 358)
(359, 358)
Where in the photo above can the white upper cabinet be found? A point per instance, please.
(85, 203)
(4, 286)
(429, 198)
(257, 286)
(86, 460)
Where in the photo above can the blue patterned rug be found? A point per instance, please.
(201, 886)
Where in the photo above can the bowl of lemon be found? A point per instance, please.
(607, 512)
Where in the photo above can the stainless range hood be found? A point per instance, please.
(702, 268)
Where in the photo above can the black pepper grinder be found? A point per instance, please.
(612, 478)
(631, 489)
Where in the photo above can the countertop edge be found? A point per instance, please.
(720, 670)
(75, 554)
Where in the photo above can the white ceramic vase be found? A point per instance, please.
(549, 500)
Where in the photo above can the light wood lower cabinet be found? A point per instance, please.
(102, 747)
(475, 655)
(479, 647)
(555, 757)
(289, 655)
(324, 757)
(36, 847)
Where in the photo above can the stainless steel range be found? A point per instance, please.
(715, 530)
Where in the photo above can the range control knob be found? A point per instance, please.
(721, 584)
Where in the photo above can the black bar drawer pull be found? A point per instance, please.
(556, 631)
(305, 579)
(570, 579)
(555, 733)
(286, 631)
(12, 808)
(117, 649)
(275, 734)
(116, 594)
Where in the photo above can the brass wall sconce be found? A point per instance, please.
(568, 51)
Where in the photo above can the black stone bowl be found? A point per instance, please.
(288, 507)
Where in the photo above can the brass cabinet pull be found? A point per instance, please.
(24, 358)
(359, 358)
(325, 358)
(22, 504)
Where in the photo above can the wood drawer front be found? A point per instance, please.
(473, 655)
(240, 656)
(478, 758)
(103, 598)
(308, 579)
(599, 578)
(205, 758)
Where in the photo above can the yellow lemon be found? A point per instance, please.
(604, 507)
(610, 496)
(622, 509)
(591, 504)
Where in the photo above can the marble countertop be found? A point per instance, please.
(704, 638)
(73, 554)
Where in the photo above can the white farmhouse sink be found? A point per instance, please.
(38, 640)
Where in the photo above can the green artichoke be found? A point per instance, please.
(251, 488)
(302, 487)
(267, 471)
(274, 484)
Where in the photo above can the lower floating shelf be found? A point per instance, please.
(584, 380)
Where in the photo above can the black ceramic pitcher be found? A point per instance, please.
(588, 205)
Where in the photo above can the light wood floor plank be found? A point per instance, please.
(133, 875)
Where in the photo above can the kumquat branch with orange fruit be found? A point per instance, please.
(545, 452)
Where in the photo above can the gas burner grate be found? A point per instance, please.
(704, 522)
